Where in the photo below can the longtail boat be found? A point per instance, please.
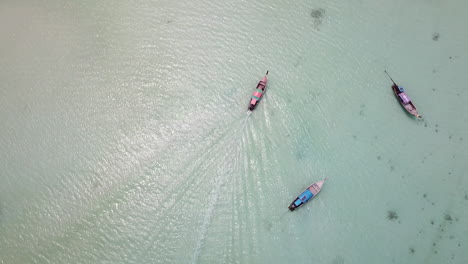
(403, 98)
(258, 93)
(307, 195)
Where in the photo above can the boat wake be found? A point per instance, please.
(244, 121)
(224, 171)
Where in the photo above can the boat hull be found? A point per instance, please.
(306, 195)
(258, 93)
(409, 106)
(252, 106)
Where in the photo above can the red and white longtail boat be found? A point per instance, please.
(259, 92)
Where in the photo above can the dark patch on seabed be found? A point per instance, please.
(300, 60)
(442, 229)
(317, 15)
(267, 225)
(448, 217)
(362, 109)
(435, 36)
(392, 215)
(303, 152)
(338, 260)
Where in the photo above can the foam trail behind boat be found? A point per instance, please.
(207, 220)
(244, 121)
(214, 194)
(285, 213)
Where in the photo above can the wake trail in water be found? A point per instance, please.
(281, 217)
(214, 195)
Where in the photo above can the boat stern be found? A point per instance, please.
(292, 207)
(253, 102)
(295, 204)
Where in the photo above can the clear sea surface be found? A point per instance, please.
(124, 134)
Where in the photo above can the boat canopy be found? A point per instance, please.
(257, 94)
(297, 202)
(404, 98)
(306, 195)
(400, 88)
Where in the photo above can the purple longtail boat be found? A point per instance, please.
(258, 93)
(403, 98)
(307, 195)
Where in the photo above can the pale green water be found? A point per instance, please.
(124, 137)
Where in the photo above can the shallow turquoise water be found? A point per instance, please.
(124, 136)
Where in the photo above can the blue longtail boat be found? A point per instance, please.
(307, 195)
